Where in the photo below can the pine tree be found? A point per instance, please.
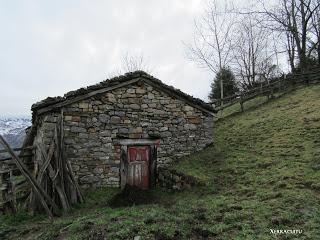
(229, 84)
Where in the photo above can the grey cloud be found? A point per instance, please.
(51, 47)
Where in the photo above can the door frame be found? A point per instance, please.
(152, 143)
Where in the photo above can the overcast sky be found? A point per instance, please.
(50, 47)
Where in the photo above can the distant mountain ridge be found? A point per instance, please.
(13, 129)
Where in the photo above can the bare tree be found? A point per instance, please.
(131, 63)
(250, 53)
(315, 30)
(212, 43)
(268, 70)
(290, 49)
(294, 17)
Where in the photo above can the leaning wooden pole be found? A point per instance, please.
(55, 173)
(42, 195)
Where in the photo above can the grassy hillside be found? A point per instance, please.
(263, 173)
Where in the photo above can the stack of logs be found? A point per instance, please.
(53, 183)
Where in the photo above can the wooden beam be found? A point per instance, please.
(16, 149)
(153, 166)
(10, 158)
(47, 159)
(74, 181)
(124, 166)
(138, 141)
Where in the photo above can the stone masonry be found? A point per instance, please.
(94, 126)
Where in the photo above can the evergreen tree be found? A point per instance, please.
(229, 84)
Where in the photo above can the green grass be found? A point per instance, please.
(252, 103)
(263, 172)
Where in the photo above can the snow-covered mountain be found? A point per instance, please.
(13, 129)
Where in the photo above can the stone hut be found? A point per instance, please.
(121, 130)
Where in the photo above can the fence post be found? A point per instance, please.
(241, 102)
(271, 91)
(1, 191)
(306, 76)
(12, 191)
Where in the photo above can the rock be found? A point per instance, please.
(136, 130)
(67, 118)
(123, 130)
(150, 96)
(89, 179)
(127, 121)
(104, 118)
(188, 108)
(83, 105)
(134, 100)
(98, 170)
(92, 130)
(171, 106)
(145, 124)
(166, 134)
(119, 113)
(190, 127)
(83, 135)
(144, 106)
(76, 119)
(163, 129)
(195, 120)
(76, 129)
(131, 90)
(115, 119)
(105, 133)
(128, 95)
(140, 91)
(134, 106)
(111, 98)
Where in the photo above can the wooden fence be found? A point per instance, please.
(13, 185)
(50, 178)
(282, 84)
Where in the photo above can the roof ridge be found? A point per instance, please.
(113, 82)
(51, 100)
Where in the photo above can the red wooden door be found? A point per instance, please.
(138, 166)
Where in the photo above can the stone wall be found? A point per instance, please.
(174, 180)
(93, 127)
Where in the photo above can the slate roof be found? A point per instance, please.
(116, 81)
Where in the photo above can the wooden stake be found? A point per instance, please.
(74, 181)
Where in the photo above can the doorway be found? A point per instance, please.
(138, 163)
